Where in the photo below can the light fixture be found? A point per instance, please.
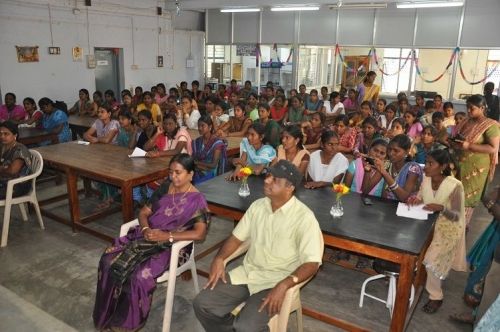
(359, 5)
(240, 10)
(289, 9)
(177, 8)
(430, 4)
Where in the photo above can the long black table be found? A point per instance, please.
(373, 230)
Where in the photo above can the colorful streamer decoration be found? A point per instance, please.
(289, 55)
(349, 69)
(452, 58)
(476, 82)
(375, 58)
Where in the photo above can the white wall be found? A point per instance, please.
(26, 23)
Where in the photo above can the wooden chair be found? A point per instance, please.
(171, 274)
(291, 303)
(37, 167)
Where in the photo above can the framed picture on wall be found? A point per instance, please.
(77, 53)
(160, 60)
(27, 53)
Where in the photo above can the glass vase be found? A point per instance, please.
(244, 190)
(337, 209)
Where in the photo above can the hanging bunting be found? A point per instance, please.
(452, 58)
(412, 55)
(375, 58)
(476, 82)
(289, 55)
(337, 52)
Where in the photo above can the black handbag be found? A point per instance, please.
(134, 254)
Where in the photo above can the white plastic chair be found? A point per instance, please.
(171, 275)
(391, 293)
(291, 302)
(37, 167)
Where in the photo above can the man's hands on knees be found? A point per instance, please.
(217, 271)
(274, 299)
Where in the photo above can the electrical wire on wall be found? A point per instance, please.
(133, 40)
(50, 26)
(159, 33)
(88, 32)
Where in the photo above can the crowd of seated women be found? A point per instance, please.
(388, 150)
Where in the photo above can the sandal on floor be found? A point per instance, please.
(334, 257)
(102, 206)
(463, 318)
(432, 306)
(363, 263)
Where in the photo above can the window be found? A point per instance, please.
(315, 66)
(215, 53)
(396, 65)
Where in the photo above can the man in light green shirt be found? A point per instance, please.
(286, 247)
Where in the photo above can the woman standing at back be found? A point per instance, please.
(476, 146)
(368, 90)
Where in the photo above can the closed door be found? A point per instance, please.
(107, 73)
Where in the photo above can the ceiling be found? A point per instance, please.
(211, 4)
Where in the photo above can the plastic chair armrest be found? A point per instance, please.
(243, 248)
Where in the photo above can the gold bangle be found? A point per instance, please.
(144, 228)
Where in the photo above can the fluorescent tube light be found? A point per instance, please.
(430, 4)
(288, 9)
(240, 10)
(359, 5)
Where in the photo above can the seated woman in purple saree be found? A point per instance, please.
(177, 212)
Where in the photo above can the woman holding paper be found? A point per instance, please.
(442, 193)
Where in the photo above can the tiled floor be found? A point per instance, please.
(55, 272)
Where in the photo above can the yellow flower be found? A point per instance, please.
(246, 170)
(340, 189)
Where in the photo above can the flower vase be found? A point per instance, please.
(337, 209)
(244, 190)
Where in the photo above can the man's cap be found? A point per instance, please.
(287, 170)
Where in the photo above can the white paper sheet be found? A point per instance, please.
(414, 211)
(138, 152)
(83, 142)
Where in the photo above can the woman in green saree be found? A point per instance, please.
(476, 148)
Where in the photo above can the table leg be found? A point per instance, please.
(403, 293)
(74, 204)
(127, 203)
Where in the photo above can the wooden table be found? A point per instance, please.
(233, 143)
(101, 162)
(374, 230)
(79, 124)
(29, 136)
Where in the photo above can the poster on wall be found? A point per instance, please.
(77, 53)
(27, 53)
(246, 50)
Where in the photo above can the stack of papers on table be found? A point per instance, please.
(138, 152)
(413, 211)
